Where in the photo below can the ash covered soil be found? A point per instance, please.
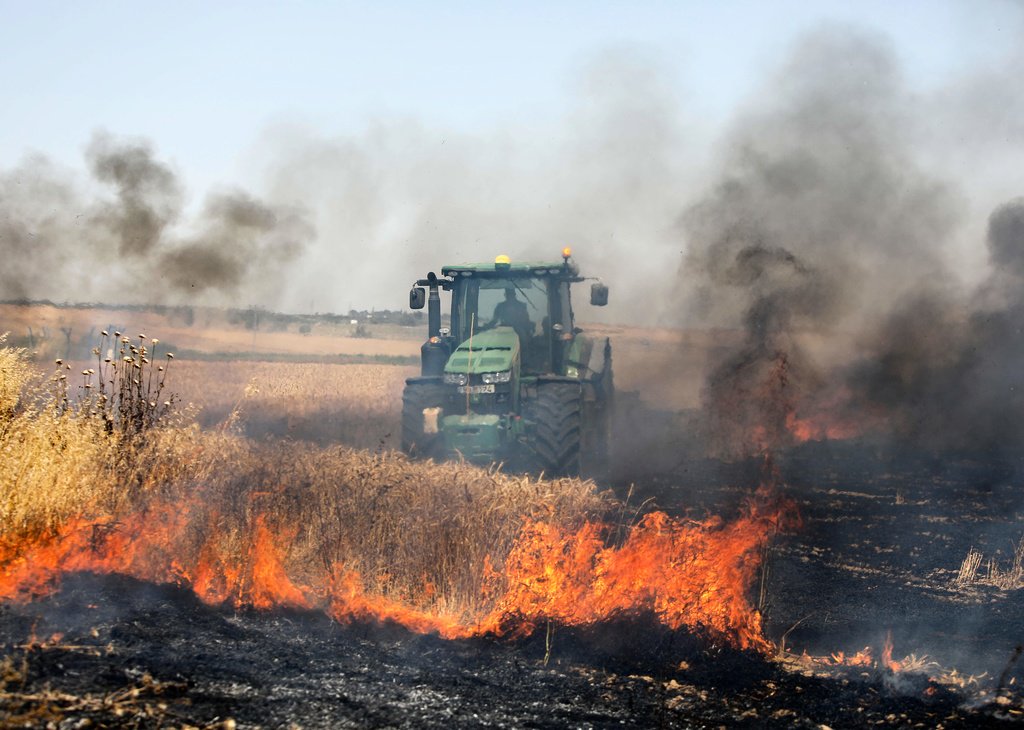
(881, 544)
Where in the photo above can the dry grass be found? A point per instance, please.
(976, 570)
(418, 532)
(14, 374)
(358, 405)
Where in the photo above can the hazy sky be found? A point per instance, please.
(546, 120)
(203, 79)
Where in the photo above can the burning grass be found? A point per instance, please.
(449, 548)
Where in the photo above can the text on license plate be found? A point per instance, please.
(475, 389)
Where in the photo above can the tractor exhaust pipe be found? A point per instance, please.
(433, 307)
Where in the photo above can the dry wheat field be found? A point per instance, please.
(358, 405)
(402, 526)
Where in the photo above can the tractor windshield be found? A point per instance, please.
(484, 303)
(529, 305)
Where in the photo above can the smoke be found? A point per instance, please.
(849, 260)
(36, 207)
(751, 393)
(403, 198)
(945, 372)
(821, 222)
(123, 235)
(1006, 244)
(242, 240)
(149, 197)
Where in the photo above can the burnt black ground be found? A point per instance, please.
(881, 545)
(272, 670)
(883, 537)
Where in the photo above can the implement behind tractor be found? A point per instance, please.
(512, 379)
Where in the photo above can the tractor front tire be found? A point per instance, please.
(416, 440)
(556, 414)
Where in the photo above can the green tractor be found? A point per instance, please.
(512, 380)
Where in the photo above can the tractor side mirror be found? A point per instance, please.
(417, 297)
(598, 294)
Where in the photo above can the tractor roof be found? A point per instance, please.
(515, 269)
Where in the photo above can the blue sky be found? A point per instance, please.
(202, 80)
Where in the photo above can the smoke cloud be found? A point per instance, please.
(403, 198)
(37, 207)
(827, 239)
(149, 197)
(68, 239)
(945, 373)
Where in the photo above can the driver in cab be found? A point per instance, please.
(512, 313)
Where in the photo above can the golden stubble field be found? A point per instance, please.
(666, 367)
(357, 405)
(53, 329)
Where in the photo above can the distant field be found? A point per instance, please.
(60, 332)
(665, 366)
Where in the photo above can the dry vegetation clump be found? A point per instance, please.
(65, 455)
(197, 502)
(976, 570)
(359, 405)
(49, 453)
(139, 704)
(425, 533)
(14, 373)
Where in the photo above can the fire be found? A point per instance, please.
(692, 575)
(861, 658)
(146, 545)
(819, 428)
(887, 660)
(864, 658)
(689, 574)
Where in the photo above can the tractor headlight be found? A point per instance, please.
(503, 377)
(456, 378)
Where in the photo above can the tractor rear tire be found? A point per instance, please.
(556, 413)
(597, 424)
(419, 395)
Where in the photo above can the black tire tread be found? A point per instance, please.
(415, 398)
(556, 413)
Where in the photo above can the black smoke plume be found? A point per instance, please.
(149, 197)
(820, 219)
(241, 239)
(945, 373)
(64, 239)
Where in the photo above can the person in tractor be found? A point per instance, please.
(512, 313)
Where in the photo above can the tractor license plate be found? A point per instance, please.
(477, 389)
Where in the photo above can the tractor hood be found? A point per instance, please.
(493, 351)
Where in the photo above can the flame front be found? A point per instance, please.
(692, 575)
(689, 574)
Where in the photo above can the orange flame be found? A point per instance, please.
(887, 660)
(693, 575)
(688, 574)
(863, 658)
(819, 428)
